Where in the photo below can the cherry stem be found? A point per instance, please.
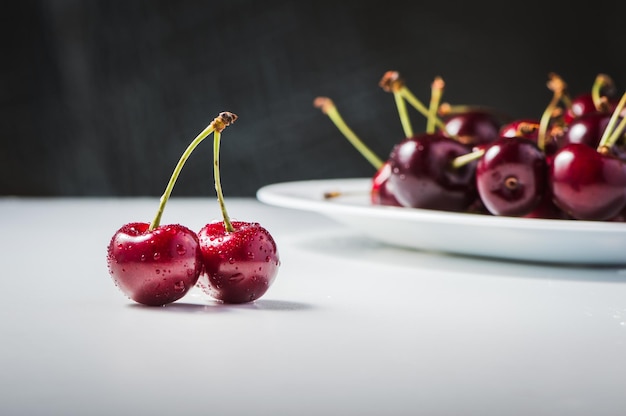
(436, 92)
(228, 226)
(328, 107)
(391, 82)
(611, 133)
(463, 160)
(617, 132)
(222, 121)
(556, 83)
(601, 81)
(404, 114)
(557, 86)
(179, 166)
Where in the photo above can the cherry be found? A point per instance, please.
(473, 126)
(240, 259)
(599, 99)
(580, 105)
(587, 128)
(590, 183)
(511, 176)
(523, 127)
(157, 264)
(154, 266)
(587, 184)
(422, 174)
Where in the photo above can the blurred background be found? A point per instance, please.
(101, 97)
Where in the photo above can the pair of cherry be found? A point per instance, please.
(232, 261)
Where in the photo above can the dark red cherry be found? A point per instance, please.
(529, 129)
(422, 175)
(473, 127)
(581, 104)
(587, 184)
(584, 104)
(382, 191)
(587, 128)
(525, 127)
(547, 209)
(511, 176)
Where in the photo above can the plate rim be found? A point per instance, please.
(274, 194)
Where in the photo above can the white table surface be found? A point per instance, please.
(350, 326)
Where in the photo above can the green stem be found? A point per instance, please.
(601, 81)
(436, 91)
(404, 115)
(463, 160)
(617, 132)
(179, 166)
(417, 104)
(608, 136)
(545, 119)
(228, 226)
(331, 111)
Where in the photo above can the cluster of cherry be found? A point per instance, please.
(568, 163)
(232, 261)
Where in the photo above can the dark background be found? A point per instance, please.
(101, 97)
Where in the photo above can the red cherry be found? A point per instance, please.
(587, 128)
(511, 176)
(585, 104)
(529, 129)
(153, 264)
(587, 184)
(240, 258)
(581, 104)
(154, 267)
(524, 127)
(422, 175)
(239, 265)
(473, 127)
(547, 209)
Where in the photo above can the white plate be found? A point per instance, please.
(525, 239)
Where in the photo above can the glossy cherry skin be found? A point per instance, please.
(586, 184)
(521, 128)
(583, 104)
(382, 192)
(511, 176)
(239, 266)
(422, 175)
(587, 128)
(473, 127)
(547, 209)
(154, 267)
